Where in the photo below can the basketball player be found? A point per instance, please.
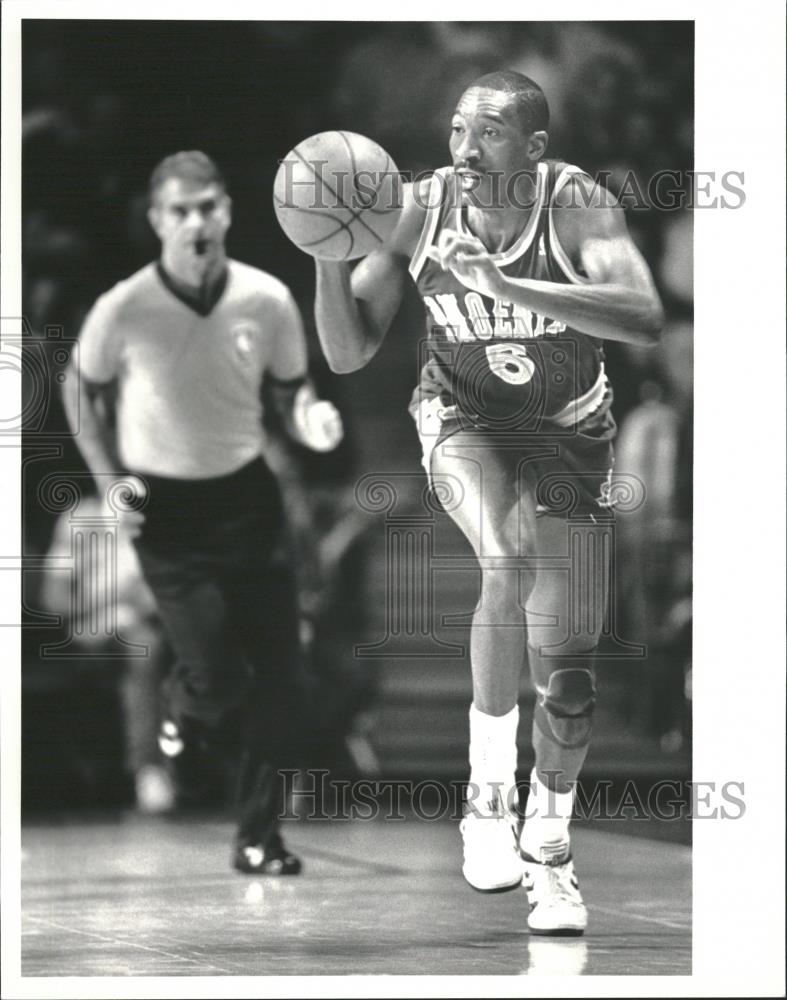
(185, 345)
(524, 268)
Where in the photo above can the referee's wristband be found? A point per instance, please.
(287, 383)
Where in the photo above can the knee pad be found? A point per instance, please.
(564, 710)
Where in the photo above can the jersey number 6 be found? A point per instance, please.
(510, 363)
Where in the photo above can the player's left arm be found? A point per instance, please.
(619, 300)
(307, 419)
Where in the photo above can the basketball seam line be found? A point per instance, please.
(343, 226)
(354, 165)
(338, 197)
(388, 162)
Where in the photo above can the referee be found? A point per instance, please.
(166, 396)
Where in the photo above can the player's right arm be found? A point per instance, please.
(354, 308)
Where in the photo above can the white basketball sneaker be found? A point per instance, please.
(556, 905)
(492, 862)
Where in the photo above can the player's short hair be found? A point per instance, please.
(190, 165)
(531, 103)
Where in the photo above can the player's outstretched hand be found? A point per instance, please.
(123, 499)
(317, 421)
(469, 261)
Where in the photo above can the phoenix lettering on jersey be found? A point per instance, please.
(507, 321)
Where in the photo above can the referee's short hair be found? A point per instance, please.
(189, 165)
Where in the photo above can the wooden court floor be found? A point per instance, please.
(156, 897)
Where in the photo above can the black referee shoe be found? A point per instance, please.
(273, 858)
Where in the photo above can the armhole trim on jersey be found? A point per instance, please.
(560, 255)
(434, 203)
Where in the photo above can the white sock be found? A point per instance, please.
(547, 815)
(493, 755)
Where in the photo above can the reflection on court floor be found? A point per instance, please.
(142, 897)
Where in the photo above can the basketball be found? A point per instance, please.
(337, 195)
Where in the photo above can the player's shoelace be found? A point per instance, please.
(558, 884)
(562, 884)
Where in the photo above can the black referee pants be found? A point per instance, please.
(214, 553)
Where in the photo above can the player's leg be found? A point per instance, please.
(483, 502)
(565, 610)
(479, 484)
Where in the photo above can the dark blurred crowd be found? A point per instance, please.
(103, 101)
